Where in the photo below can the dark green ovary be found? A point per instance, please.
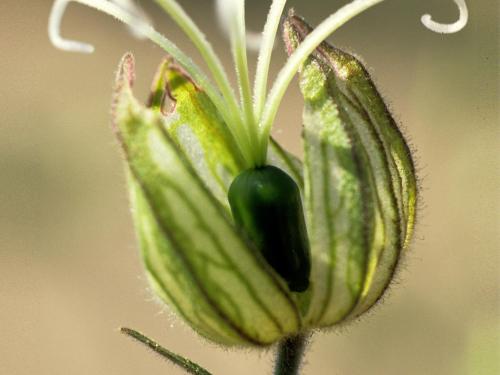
(266, 204)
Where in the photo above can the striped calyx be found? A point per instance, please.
(180, 165)
(356, 186)
(360, 185)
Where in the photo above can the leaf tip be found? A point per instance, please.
(124, 80)
(126, 70)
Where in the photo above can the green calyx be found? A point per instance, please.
(247, 243)
(228, 246)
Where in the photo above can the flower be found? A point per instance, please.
(357, 182)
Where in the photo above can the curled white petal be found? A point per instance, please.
(129, 12)
(225, 14)
(56, 16)
(448, 28)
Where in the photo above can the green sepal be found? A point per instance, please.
(360, 185)
(196, 260)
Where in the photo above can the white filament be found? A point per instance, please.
(448, 28)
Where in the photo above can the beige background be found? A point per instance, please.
(70, 273)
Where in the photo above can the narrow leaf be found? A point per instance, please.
(186, 364)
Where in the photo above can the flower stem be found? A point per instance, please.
(290, 353)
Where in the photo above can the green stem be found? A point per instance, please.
(290, 353)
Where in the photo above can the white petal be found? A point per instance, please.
(126, 10)
(55, 19)
(448, 28)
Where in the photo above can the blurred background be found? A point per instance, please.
(70, 272)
